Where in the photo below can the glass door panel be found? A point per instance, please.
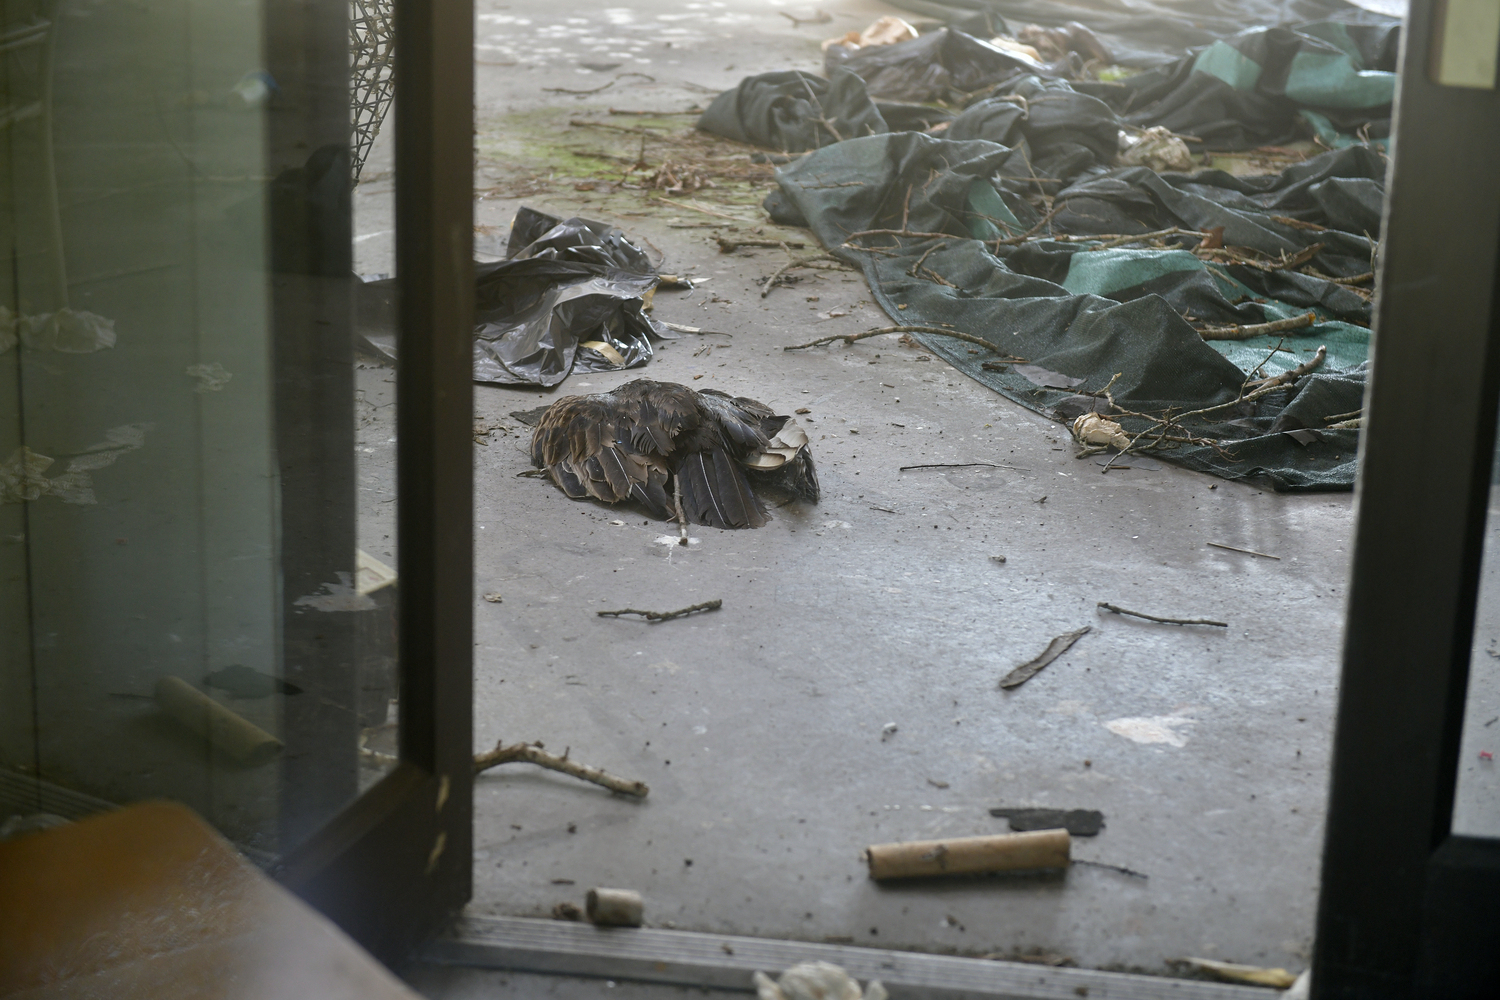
(197, 599)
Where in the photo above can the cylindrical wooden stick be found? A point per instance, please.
(240, 739)
(971, 855)
(615, 907)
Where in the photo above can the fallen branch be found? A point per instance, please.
(1248, 552)
(1235, 332)
(1291, 375)
(661, 616)
(532, 753)
(1118, 241)
(849, 338)
(1165, 621)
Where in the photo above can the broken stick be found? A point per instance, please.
(849, 338)
(1165, 621)
(1234, 332)
(532, 753)
(661, 616)
(1248, 552)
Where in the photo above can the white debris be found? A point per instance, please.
(1092, 429)
(816, 981)
(1156, 148)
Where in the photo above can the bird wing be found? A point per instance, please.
(590, 447)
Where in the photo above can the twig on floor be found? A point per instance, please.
(532, 753)
(679, 328)
(849, 338)
(1248, 552)
(1114, 868)
(961, 465)
(565, 90)
(1165, 621)
(795, 262)
(731, 245)
(661, 616)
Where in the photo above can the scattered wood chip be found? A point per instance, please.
(936, 783)
(492, 598)
(1055, 648)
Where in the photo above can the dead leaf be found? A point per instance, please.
(1055, 648)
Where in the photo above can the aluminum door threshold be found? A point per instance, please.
(725, 962)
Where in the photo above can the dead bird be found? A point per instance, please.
(711, 449)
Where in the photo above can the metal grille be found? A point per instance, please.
(372, 45)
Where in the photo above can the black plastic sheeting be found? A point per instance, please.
(570, 296)
(1088, 314)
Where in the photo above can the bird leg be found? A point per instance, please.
(682, 536)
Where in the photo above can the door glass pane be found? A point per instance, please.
(197, 573)
(1476, 807)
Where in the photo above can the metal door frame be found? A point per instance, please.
(1406, 907)
(397, 863)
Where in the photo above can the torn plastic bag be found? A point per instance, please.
(571, 296)
(539, 323)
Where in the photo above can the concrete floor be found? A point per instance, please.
(761, 728)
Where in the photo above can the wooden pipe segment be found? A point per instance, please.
(970, 855)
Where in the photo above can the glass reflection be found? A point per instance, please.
(197, 599)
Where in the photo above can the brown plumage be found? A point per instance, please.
(648, 441)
